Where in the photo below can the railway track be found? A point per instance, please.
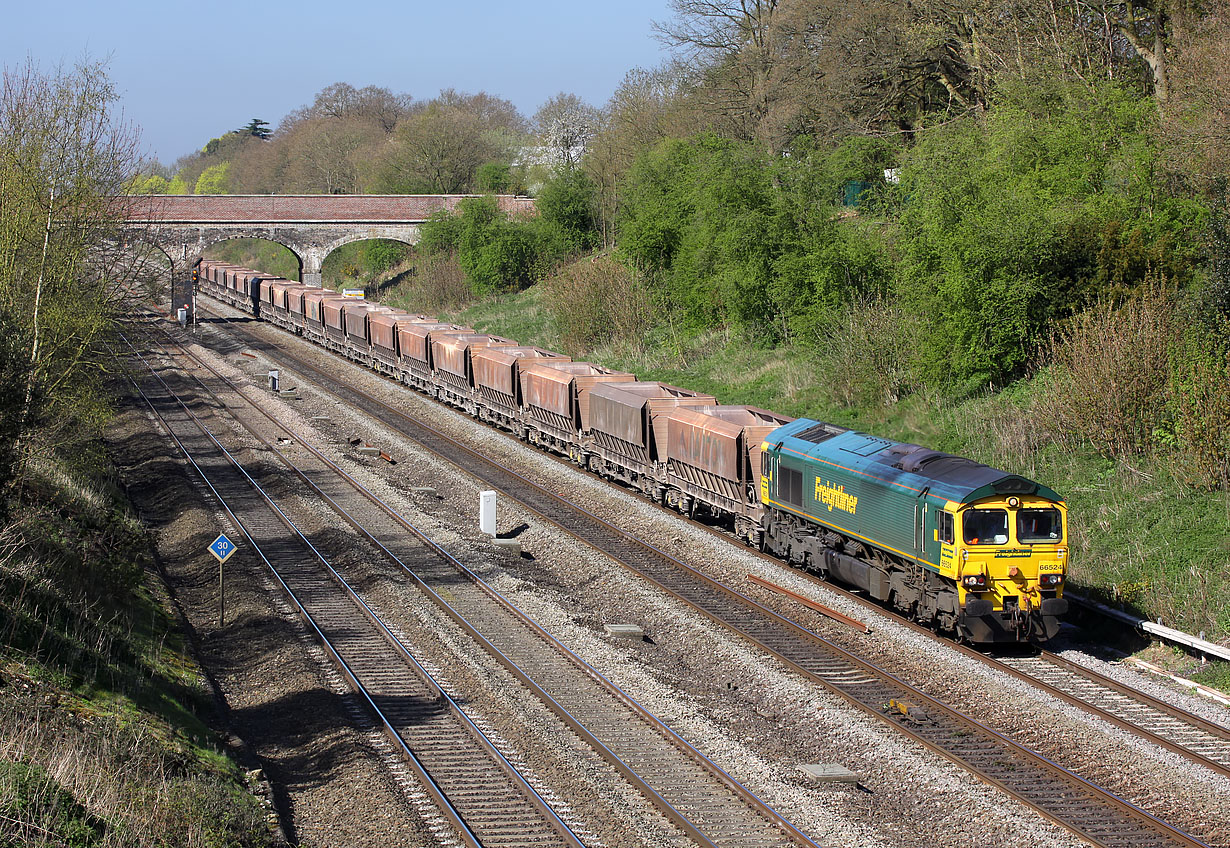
(488, 802)
(1203, 742)
(1172, 728)
(1060, 795)
(700, 798)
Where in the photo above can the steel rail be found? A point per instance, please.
(670, 810)
(438, 793)
(1049, 800)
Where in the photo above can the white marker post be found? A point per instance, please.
(486, 513)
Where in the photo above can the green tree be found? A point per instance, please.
(568, 201)
(256, 128)
(150, 184)
(699, 216)
(1014, 219)
(494, 177)
(213, 180)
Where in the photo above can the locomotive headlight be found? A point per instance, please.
(1014, 502)
(975, 581)
(1049, 580)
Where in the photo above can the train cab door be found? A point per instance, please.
(768, 472)
(920, 525)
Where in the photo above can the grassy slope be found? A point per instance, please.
(1139, 534)
(101, 735)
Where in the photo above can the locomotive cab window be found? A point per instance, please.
(1039, 525)
(944, 527)
(985, 526)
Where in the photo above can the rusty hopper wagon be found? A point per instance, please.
(276, 292)
(414, 350)
(555, 398)
(450, 360)
(332, 312)
(314, 313)
(628, 431)
(497, 381)
(248, 290)
(714, 459)
(273, 300)
(295, 305)
(355, 315)
(382, 330)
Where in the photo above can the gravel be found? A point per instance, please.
(756, 719)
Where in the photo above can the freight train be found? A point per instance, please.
(952, 543)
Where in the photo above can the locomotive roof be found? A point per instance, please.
(899, 464)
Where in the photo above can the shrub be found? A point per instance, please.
(568, 201)
(1199, 403)
(1107, 374)
(597, 300)
(1016, 219)
(863, 352)
(495, 177)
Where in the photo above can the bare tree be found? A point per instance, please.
(64, 158)
(753, 58)
(436, 151)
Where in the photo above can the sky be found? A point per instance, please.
(188, 72)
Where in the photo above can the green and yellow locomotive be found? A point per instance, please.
(949, 541)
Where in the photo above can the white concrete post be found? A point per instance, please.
(486, 513)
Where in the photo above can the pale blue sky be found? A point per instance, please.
(188, 72)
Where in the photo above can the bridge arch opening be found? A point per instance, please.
(152, 267)
(373, 264)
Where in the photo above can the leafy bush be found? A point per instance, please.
(497, 253)
(440, 233)
(495, 177)
(568, 202)
(698, 217)
(595, 301)
(731, 237)
(383, 254)
(1023, 216)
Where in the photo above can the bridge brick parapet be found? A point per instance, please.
(310, 225)
(306, 208)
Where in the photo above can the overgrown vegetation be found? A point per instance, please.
(100, 739)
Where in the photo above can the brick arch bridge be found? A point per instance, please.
(310, 225)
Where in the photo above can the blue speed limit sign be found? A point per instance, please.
(222, 548)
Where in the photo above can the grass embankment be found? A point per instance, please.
(102, 740)
(1140, 535)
